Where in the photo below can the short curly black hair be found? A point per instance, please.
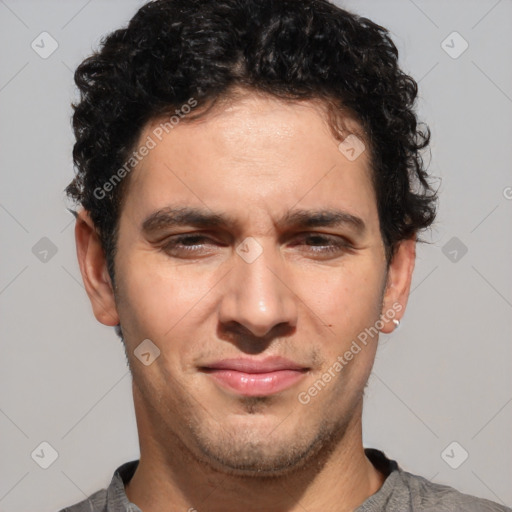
(174, 50)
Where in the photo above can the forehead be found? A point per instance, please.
(255, 154)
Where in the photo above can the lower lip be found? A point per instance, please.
(256, 384)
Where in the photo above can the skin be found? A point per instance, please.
(203, 447)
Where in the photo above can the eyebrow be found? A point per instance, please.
(170, 217)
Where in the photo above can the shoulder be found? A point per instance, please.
(426, 496)
(96, 502)
(111, 498)
(405, 491)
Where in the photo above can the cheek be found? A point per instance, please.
(157, 298)
(346, 297)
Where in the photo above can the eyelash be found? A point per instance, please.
(338, 244)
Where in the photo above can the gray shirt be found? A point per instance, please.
(401, 492)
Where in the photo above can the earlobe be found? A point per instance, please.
(93, 267)
(398, 285)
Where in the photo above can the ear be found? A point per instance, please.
(93, 267)
(398, 284)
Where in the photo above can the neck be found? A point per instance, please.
(168, 477)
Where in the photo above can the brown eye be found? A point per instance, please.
(187, 244)
(324, 244)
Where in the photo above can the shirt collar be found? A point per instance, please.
(117, 500)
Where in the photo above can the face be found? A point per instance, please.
(249, 253)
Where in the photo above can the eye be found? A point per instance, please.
(187, 244)
(324, 244)
(198, 244)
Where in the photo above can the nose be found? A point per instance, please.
(258, 295)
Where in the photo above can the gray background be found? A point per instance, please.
(444, 376)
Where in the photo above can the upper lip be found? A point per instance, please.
(250, 365)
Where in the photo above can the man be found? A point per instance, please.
(251, 192)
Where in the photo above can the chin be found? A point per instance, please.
(255, 460)
(253, 450)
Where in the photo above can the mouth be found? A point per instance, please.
(252, 377)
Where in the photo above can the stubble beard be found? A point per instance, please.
(267, 455)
